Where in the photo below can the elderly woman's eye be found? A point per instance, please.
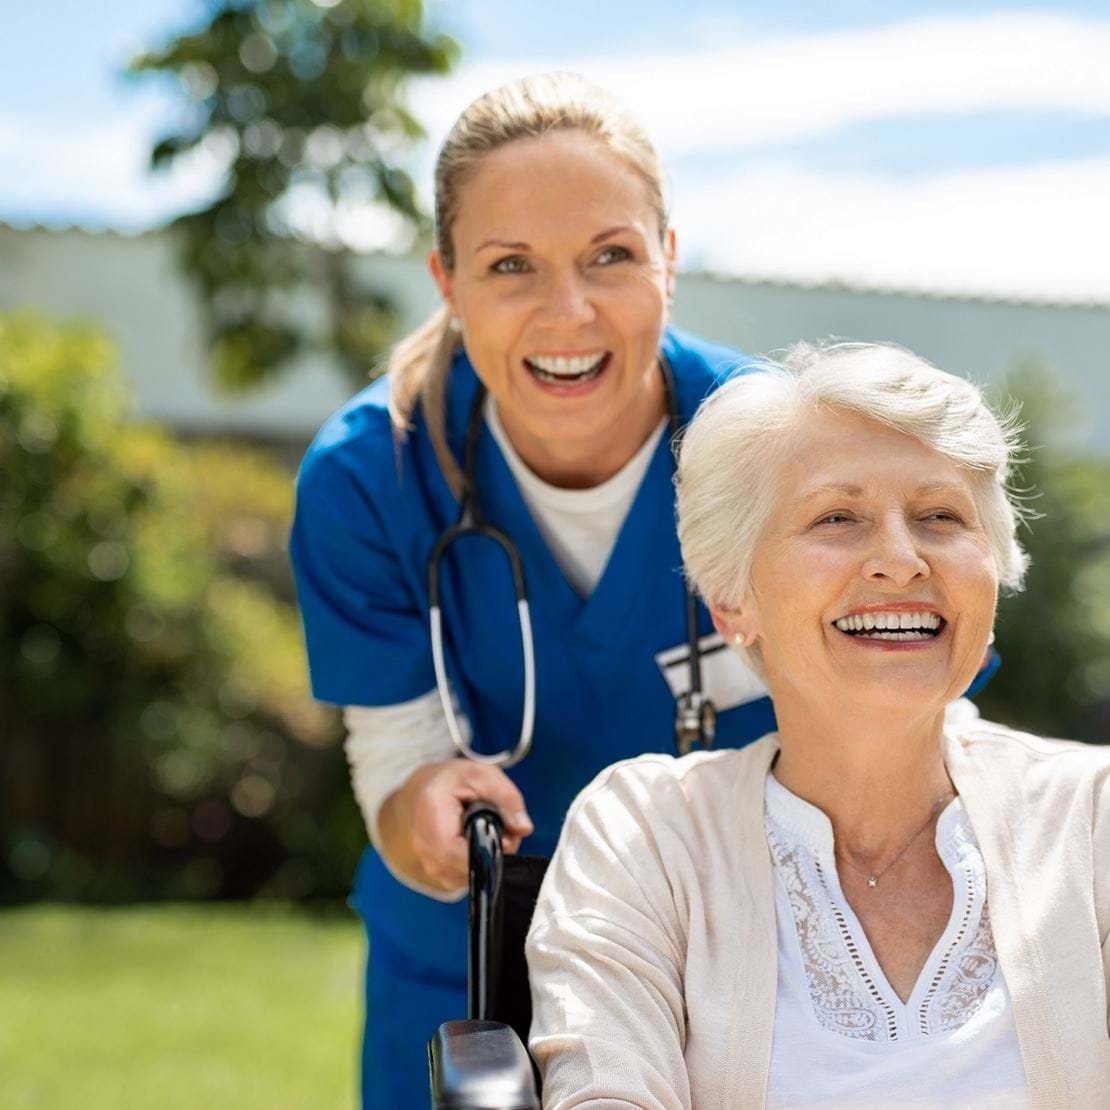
(944, 516)
(513, 264)
(834, 518)
(613, 254)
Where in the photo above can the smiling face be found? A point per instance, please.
(560, 281)
(873, 581)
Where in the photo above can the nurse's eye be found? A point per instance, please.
(512, 264)
(609, 255)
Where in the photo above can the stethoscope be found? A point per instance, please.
(695, 716)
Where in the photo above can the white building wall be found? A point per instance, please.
(133, 288)
(976, 338)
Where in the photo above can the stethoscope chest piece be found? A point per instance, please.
(695, 722)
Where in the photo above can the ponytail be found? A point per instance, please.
(418, 369)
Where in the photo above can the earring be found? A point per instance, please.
(454, 324)
(737, 639)
(990, 638)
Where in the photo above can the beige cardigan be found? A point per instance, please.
(653, 953)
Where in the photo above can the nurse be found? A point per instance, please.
(555, 263)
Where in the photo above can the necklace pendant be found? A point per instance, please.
(872, 880)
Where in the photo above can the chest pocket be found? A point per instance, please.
(725, 679)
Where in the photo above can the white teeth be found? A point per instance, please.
(884, 625)
(562, 367)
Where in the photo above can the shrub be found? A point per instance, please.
(1054, 638)
(158, 735)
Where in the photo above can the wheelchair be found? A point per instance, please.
(481, 1063)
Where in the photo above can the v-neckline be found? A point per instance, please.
(814, 828)
(647, 529)
(932, 970)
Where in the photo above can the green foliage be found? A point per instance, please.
(303, 102)
(159, 739)
(1054, 638)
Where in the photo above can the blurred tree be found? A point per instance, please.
(302, 101)
(158, 737)
(1054, 637)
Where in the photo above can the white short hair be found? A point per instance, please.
(732, 451)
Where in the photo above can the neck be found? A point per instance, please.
(582, 462)
(877, 775)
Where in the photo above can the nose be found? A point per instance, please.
(566, 301)
(895, 557)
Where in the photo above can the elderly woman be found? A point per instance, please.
(871, 907)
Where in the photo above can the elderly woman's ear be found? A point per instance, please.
(736, 626)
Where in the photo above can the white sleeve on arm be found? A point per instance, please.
(384, 745)
(606, 960)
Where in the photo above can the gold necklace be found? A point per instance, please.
(873, 877)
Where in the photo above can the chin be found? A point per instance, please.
(902, 695)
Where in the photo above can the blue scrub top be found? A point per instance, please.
(368, 514)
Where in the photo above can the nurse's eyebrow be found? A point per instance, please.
(505, 245)
(501, 244)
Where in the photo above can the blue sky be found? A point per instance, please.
(952, 146)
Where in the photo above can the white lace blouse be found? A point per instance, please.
(840, 1030)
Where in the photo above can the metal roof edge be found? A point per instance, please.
(839, 285)
(816, 285)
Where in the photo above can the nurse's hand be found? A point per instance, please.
(420, 824)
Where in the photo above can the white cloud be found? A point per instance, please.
(1038, 232)
(96, 175)
(792, 88)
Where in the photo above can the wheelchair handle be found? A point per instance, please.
(483, 829)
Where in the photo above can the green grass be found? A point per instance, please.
(172, 1006)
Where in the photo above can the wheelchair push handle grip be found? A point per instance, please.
(483, 828)
(486, 813)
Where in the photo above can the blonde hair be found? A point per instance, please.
(733, 448)
(530, 108)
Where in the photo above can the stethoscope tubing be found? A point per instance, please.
(469, 526)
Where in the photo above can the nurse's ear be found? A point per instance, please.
(736, 626)
(444, 279)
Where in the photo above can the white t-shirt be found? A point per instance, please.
(840, 1030)
(579, 525)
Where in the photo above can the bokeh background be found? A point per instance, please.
(213, 218)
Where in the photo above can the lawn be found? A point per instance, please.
(174, 1006)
